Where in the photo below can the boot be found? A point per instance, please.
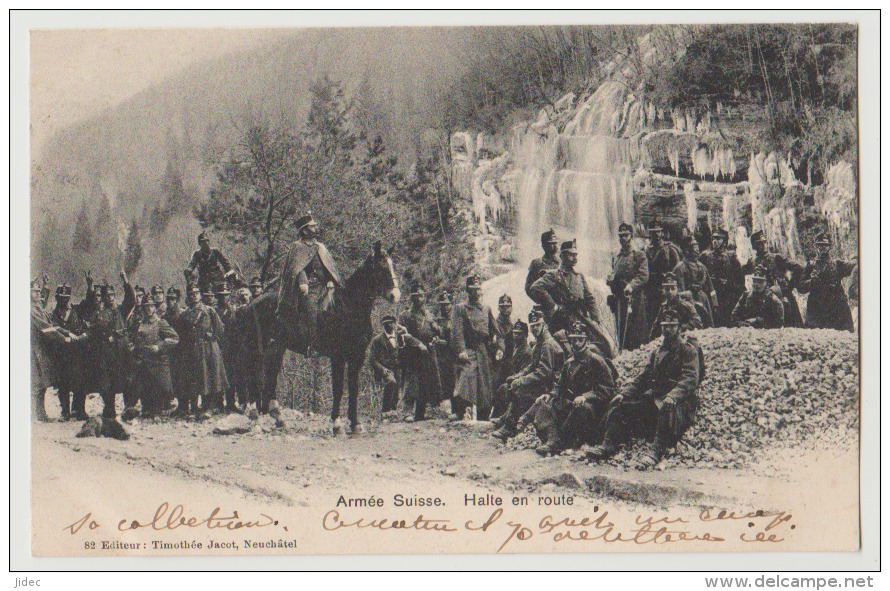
(552, 446)
(506, 431)
(499, 421)
(274, 410)
(129, 414)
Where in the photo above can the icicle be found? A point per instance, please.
(691, 207)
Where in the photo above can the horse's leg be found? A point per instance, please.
(354, 370)
(338, 369)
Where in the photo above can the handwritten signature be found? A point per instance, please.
(172, 518)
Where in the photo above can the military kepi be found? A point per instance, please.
(473, 282)
(569, 246)
(669, 279)
(303, 221)
(625, 228)
(548, 237)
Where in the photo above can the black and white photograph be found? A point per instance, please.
(502, 289)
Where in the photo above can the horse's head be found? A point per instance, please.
(382, 273)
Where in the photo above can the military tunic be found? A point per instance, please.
(662, 260)
(70, 361)
(422, 382)
(585, 374)
(759, 310)
(152, 381)
(778, 270)
(537, 269)
(827, 304)
(661, 402)
(43, 338)
(383, 357)
(172, 315)
(505, 345)
(473, 331)
(199, 346)
(229, 348)
(539, 376)
(445, 353)
(630, 267)
(728, 279)
(211, 268)
(693, 276)
(109, 334)
(685, 312)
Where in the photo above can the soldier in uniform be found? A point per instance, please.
(627, 281)
(208, 298)
(69, 356)
(199, 347)
(256, 287)
(473, 333)
(420, 363)
(308, 280)
(572, 413)
(157, 296)
(548, 262)
(692, 276)
(172, 313)
(674, 302)
(520, 357)
(565, 297)
(242, 296)
(760, 307)
(383, 357)
(660, 403)
(827, 305)
(109, 333)
(234, 398)
(150, 344)
(444, 352)
(208, 266)
(537, 378)
(663, 256)
(504, 350)
(43, 367)
(782, 275)
(726, 275)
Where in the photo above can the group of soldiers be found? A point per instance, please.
(163, 355)
(565, 382)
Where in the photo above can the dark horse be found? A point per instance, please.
(344, 334)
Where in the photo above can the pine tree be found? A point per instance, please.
(83, 233)
(133, 253)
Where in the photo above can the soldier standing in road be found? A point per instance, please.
(660, 403)
(827, 305)
(420, 364)
(208, 266)
(630, 274)
(109, 333)
(572, 413)
(43, 366)
(444, 352)
(199, 346)
(504, 350)
(781, 274)
(537, 378)
(172, 315)
(548, 262)
(473, 334)
(69, 356)
(234, 398)
(565, 298)
(663, 256)
(150, 344)
(760, 307)
(726, 275)
(677, 304)
(383, 357)
(693, 276)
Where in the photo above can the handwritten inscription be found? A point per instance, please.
(171, 518)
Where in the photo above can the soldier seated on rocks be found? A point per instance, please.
(537, 378)
(521, 356)
(660, 403)
(383, 357)
(572, 413)
(759, 307)
(679, 304)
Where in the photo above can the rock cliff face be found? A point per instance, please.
(590, 163)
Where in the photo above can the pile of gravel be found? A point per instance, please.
(763, 390)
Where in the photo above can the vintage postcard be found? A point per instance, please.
(550, 288)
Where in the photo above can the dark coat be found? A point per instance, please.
(421, 368)
(827, 305)
(631, 268)
(211, 269)
(782, 276)
(693, 276)
(383, 356)
(152, 380)
(685, 311)
(728, 279)
(69, 357)
(446, 357)
(473, 331)
(505, 346)
(108, 333)
(539, 376)
(178, 368)
(43, 338)
(662, 259)
(199, 346)
(759, 310)
(537, 268)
